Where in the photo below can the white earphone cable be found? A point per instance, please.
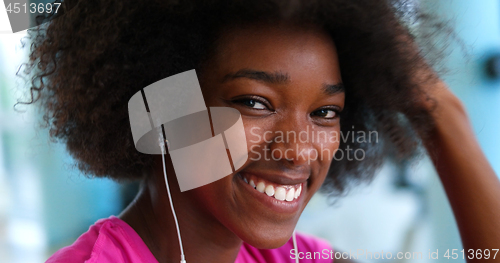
(295, 247)
(162, 146)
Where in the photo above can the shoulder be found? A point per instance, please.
(81, 249)
(309, 250)
(108, 240)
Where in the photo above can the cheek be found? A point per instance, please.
(257, 136)
(254, 134)
(327, 143)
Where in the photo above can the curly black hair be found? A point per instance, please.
(87, 60)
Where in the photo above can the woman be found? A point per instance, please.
(332, 66)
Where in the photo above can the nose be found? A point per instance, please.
(293, 142)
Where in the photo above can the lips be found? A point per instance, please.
(267, 195)
(280, 192)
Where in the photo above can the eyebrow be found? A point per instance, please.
(332, 89)
(278, 77)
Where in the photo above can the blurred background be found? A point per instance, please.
(45, 203)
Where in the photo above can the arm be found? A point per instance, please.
(469, 181)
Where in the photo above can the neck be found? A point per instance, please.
(204, 239)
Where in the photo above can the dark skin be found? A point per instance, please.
(284, 78)
(296, 87)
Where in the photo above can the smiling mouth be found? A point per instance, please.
(285, 193)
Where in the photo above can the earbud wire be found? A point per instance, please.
(162, 146)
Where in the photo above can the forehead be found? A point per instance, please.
(294, 50)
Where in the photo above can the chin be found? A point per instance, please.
(264, 239)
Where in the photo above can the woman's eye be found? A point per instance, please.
(325, 113)
(252, 103)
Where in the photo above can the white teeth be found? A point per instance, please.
(261, 187)
(280, 193)
(270, 190)
(290, 195)
(297, 193)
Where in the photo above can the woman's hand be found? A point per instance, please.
(472, 187)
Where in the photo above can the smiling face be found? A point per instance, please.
(286, 83)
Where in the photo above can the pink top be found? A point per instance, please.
(112, 240)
